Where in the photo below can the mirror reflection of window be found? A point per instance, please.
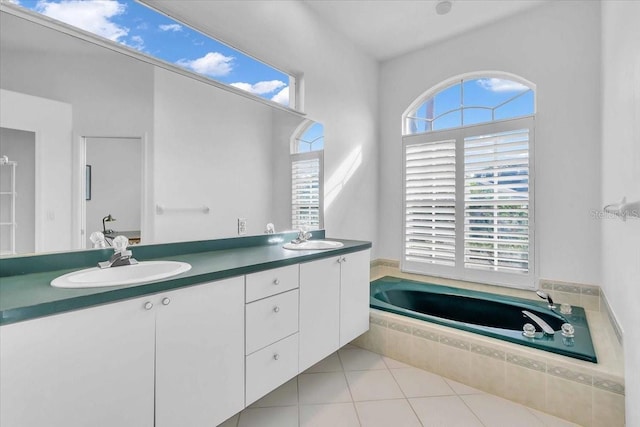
(306, 177)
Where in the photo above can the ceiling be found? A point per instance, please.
(389, 28)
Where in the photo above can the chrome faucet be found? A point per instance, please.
(121, 256)
(542, 294)
(548, 330)
(303, 236)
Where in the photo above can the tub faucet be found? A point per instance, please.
(121, 256)
(548, 330)
(544, 295)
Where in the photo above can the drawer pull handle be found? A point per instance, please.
(148, 305)
(166, 301)
(276, 281)
(276, 309)
(276, 356)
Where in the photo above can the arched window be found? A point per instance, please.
(307, 148)
(468, 180)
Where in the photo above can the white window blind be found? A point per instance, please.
(430, 202)
(468, 203)
(496, 201)
(306, 189)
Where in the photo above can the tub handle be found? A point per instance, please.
(548, 330)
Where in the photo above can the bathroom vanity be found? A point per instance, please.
(191, 350)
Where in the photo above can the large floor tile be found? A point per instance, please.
(326, 387)
(462, 389)
(328, 364)
(551, 421)
(449, 411)
(333, 415)
(373, 385)
(385, 413)
(418, 383)
(282, 416)
(494, 411)
(358, 359)
(394, 364)
(285, 395)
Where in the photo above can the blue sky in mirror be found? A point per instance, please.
(474, 101)
(141, 28)
(312, 139)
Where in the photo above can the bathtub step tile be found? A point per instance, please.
(385, 413)
(494, 411)
(373, 385)
(448, 411)
(358, 359)
(418, 383)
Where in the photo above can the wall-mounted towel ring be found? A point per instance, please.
(624, 209)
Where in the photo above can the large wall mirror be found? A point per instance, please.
(116, 142)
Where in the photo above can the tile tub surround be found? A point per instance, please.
(356, 387)
(585, 393)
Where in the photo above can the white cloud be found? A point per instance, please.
(170, 27)
(501, 85)
(13, 1)
(260, 88)
(136, 42)
(282, 97)
(90, 15)
(212, 64)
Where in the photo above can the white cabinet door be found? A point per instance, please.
(319, 310)
(91, 367)
(354, 296)
(200, 354)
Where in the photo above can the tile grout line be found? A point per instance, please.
(346, 380)
(402, 391)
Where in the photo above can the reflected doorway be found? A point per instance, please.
(113, 184)
(17, 191)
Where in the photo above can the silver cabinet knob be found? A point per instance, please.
(276, 356)
(276, 281)
(276, 309)
(148, 305)
(344, 259)
(339, 260)
(166, 301)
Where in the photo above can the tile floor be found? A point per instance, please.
(355, 387)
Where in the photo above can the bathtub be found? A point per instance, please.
(483, 313)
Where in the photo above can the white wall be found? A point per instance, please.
(557, 48)
(340, 91)
(51, 122)
(212, 148)
(621, 177)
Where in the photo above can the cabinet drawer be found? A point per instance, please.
(271, 367)
(271, 319)
(271, 282)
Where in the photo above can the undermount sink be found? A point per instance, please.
(313, 245)
(144, 271)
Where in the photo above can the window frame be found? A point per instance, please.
(296, 156)
(459, 272)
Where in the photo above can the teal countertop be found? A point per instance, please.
(29, 295)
